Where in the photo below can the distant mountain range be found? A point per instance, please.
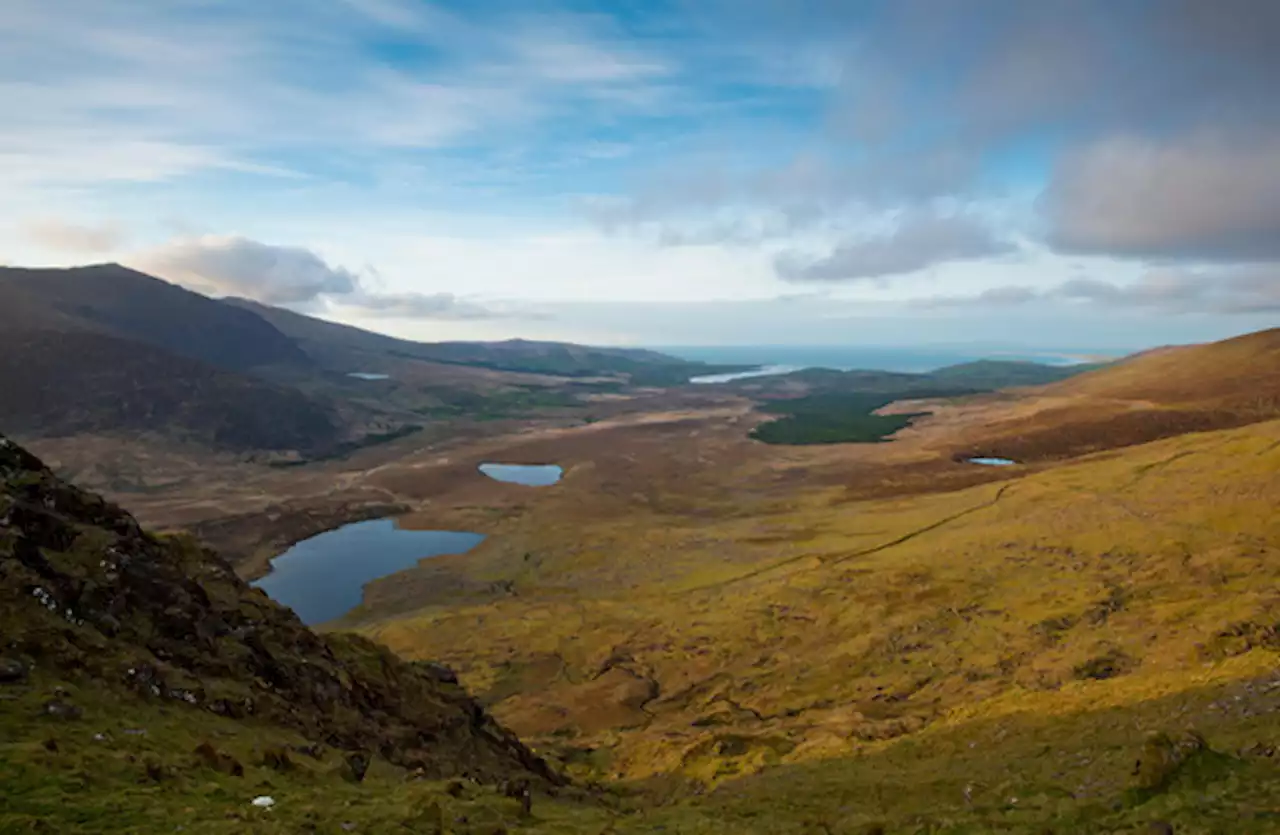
(342, 346)
(106, 349)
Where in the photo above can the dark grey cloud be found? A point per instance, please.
(1251, 289)
(991, 68)
(291, 276)
(1202, 199)
(1157, 122)
(1248, 290)
(1167, 111)
(921, 239)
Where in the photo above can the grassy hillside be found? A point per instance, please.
(1233, 372)
(731, 637)
(66, 382)
(1158, 394)
(982, 375)
(122, 302)
(107, 350)
(1088, 648)
(999, 374)
(147, 687)
(822, 406)
(1000, 658)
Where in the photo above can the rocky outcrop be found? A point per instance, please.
(84, 591)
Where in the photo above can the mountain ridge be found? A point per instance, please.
(108, 350)
(61, 383)
(1152, 395)
(131, 304)
(325, 339)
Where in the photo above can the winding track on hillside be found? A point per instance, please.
(875, 549)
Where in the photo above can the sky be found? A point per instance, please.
(1065, 174)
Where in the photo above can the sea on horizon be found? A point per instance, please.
(871, 358)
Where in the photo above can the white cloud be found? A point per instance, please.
(228, 265)
(550, 52)
(134, 94)
(444, 146)
(294, 276)
(1199, 198)
(432, 306)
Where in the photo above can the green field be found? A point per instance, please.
(830, 419)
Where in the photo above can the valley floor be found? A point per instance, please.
(743, 638)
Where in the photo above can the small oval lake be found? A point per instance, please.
(530, 475)
(367, 375)
(323, 577)
(993, 462)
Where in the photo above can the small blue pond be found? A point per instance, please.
(993, 462)
(323, 577)
(530, 475)
(365, 375)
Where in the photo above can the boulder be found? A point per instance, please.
(12, 671)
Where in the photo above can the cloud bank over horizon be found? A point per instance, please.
(289, 276)
(496, 169)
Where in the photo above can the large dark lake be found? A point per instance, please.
(323, 577)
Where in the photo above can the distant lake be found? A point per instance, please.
(847, 357)
(993, 462)
(764, 371)
(323, 577)
(364, 375)
(530, 475)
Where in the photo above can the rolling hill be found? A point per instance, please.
(348, 348)
(115, 300)
(62, 383)
(825, 406)
(998, 374)
(1152, 395)
(108, 350)
(964, 378)
(105, 349)
(1234, 373)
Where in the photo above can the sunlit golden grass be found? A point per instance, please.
(822, 630)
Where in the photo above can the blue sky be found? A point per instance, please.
(1066, 173)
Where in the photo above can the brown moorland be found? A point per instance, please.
(858, 638)
(1153, 395)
